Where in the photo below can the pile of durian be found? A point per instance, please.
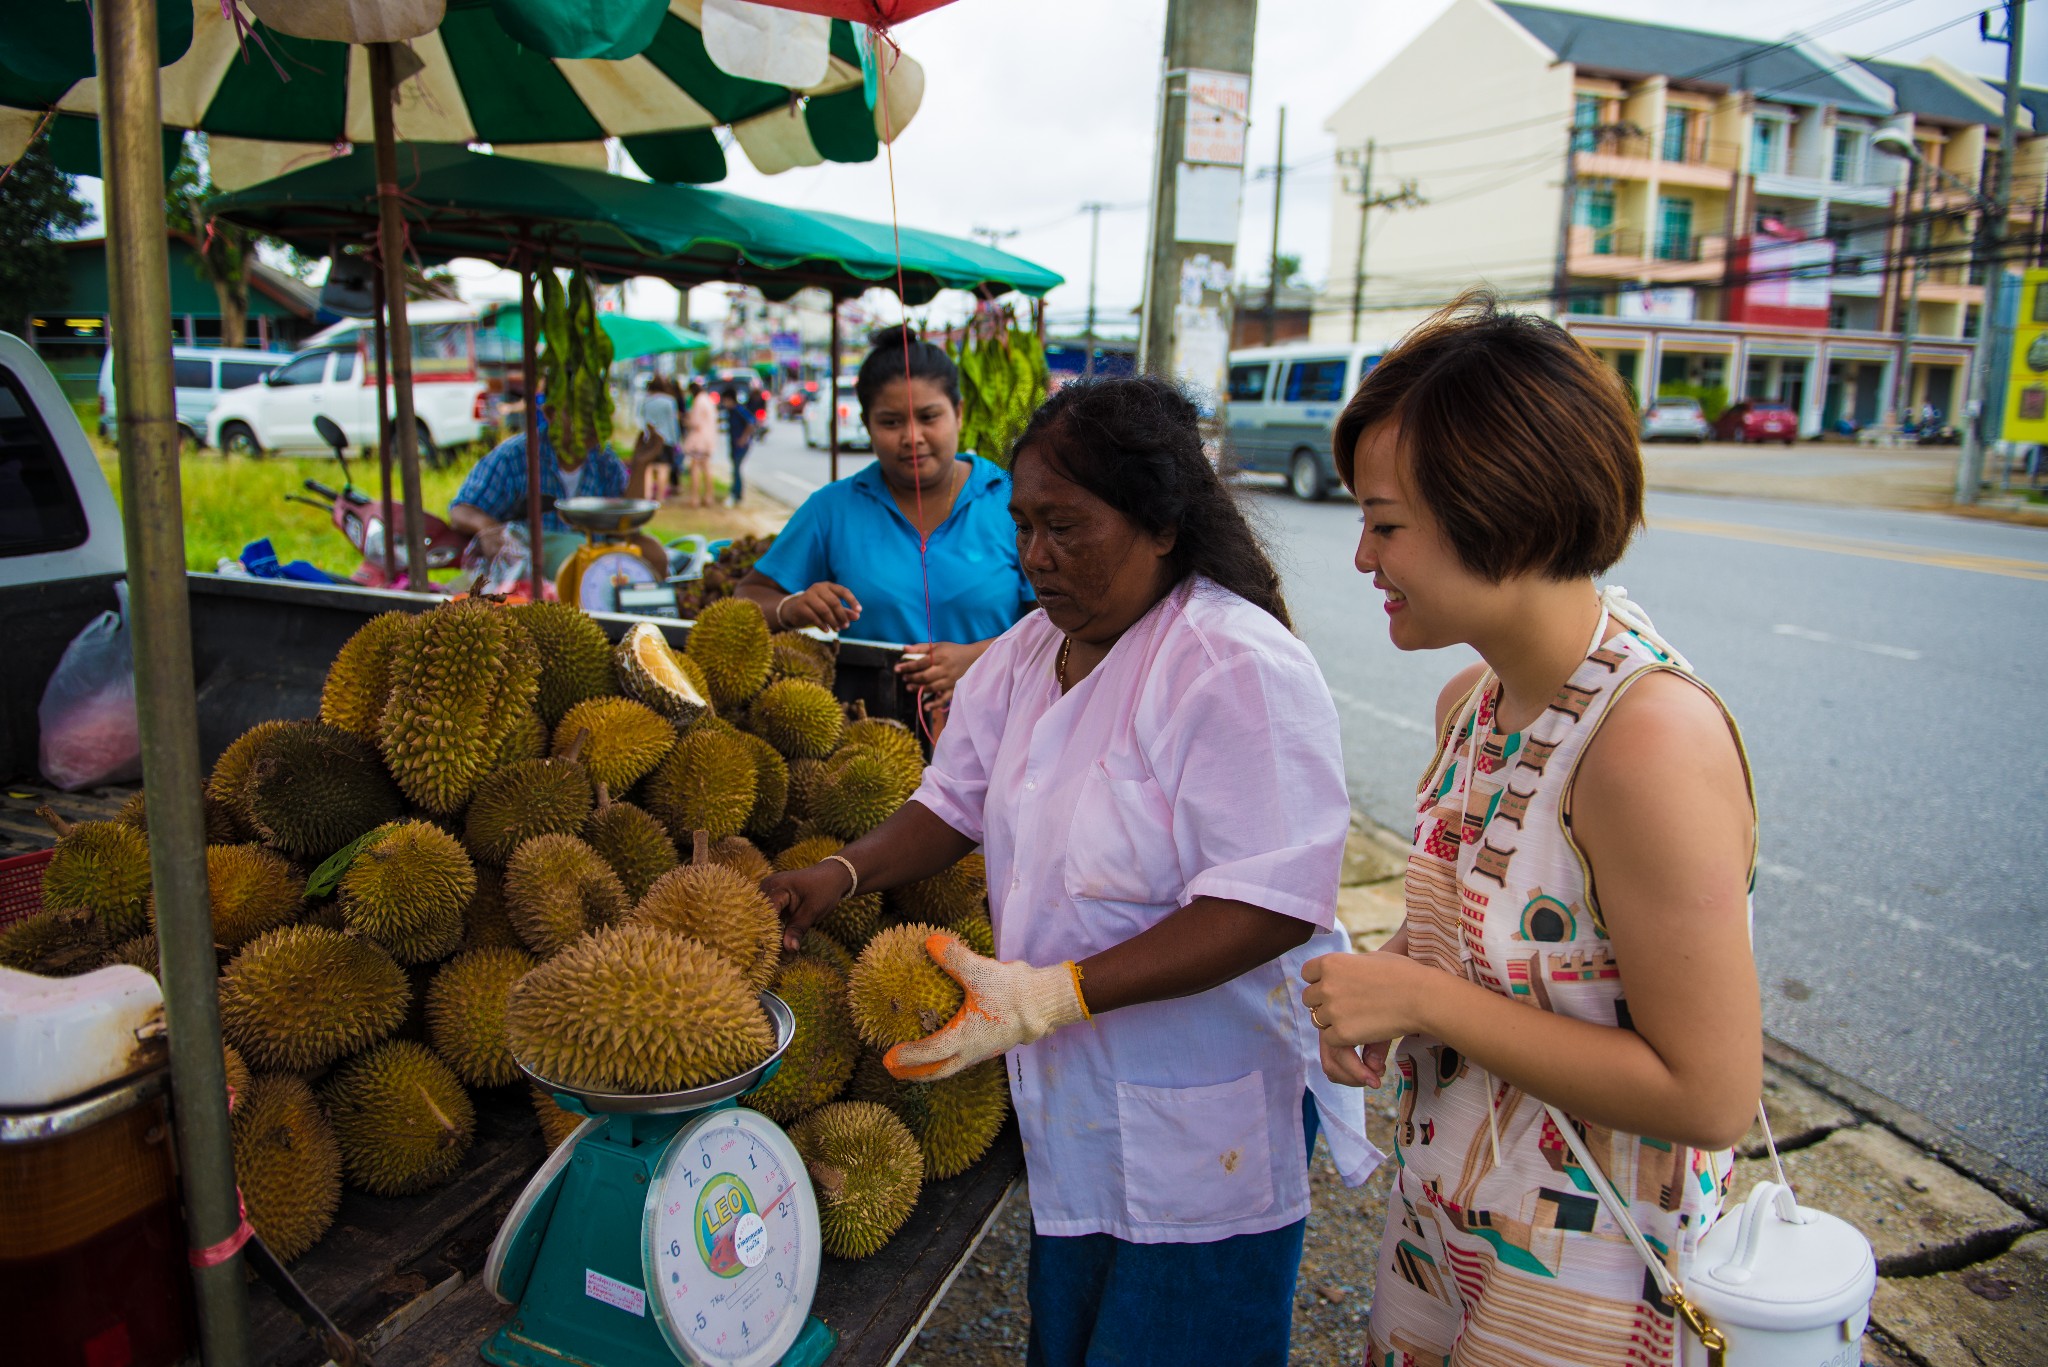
(721, 578)
(506, 842)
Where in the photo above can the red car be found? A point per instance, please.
(1758, 421)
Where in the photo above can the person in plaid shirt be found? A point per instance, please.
(494, 496)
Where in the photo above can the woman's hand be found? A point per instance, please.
(1365, 999)
(1354, 1067)
(801, 896)
(938, 667)
(825, 605)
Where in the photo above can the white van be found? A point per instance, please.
(1284, 401)
(332, 377)
(199, 376)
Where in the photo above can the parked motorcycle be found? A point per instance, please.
(366, 523)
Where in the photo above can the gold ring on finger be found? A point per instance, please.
(1321, 1024)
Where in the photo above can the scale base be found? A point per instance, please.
(511, 1348)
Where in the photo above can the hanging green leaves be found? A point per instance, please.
(575, 363)
(1003, 379)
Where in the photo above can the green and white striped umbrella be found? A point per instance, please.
(270, 103)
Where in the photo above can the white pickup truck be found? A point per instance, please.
(332, 377)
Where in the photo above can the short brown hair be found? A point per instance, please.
(1521, 441)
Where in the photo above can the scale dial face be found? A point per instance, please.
(598, 586)
(731, 1241)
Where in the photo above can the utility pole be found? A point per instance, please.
(1094, 211)
(1273, 256)
(1970, 461)
(994, 237)
(1198, 177)
(1403, 197)
(1917, 232)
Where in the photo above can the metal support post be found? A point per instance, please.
(382, 358)
(529, 378)
(832, 396)
(139, 278)
(391, 251)
(1273, 256)
(1970, 460)
(1094, 212)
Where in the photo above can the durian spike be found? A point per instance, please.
(575, 747)
(55, 822)
(449, 1135)
(700, 847)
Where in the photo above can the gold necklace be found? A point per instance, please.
(1059, 668)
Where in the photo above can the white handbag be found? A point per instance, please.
(1777, 1285)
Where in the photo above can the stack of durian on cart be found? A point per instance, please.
(508, 841)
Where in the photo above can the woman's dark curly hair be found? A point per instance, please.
(1135, 443)
(885, 362)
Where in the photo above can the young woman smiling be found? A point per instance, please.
(1578, 888)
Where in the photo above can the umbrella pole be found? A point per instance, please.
(139, 281)
(391, 248)
(383, 358)
(529, 370)
(832, 395)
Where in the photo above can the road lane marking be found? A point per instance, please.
(1828, 639)
(1904, 920)
(1394, 719)
(2004, 566)
(794, 482)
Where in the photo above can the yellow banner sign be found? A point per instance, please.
(2026, 387)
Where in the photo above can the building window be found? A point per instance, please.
(1678, 135)
(1586, 111)
(1847, 167)
(1767, 146)
(1674, 228)
(1973, 319)
(1594, 208)
(1589, 303)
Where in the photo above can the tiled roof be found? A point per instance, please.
(1925, 94)
(2033, 99)
(1786, 74)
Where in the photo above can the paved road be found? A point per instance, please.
(1887, 669)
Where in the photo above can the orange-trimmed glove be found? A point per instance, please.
(1007, 1004)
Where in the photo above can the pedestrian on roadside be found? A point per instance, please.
(1578, 888)
(739, 435)
(1151, 766)
(660, 414)
(700, 439)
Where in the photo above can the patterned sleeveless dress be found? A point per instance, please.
(1514, 1262)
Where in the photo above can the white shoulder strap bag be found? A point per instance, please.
(1776, 1285)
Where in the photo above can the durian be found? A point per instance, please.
(742, 856)
(103, 867)
(867, 1170)
(533, 797)
(286, 1163)
(143, 953)
(978, 933)
(771, 786)
(556, 888)
(462, 675)
(896, 992)
(822, 1052)
(637, 1009)
(485, 924)
(650, 672)
(632, 842)
(575, 657)
(625, 739)
(221, 826)
(229, 781)
(713, 905)
(299, 997)
(401, 1118)
(359, 680)
(793, 655)
(466, 1014)
(954, 1119)
(707, 783)
(407, 889)
(528, 739)
(730, 642)
(854, 920)
(816, 944)
(859, 790)
(799, 718)
(891, 738)
(250, 890)
(948, 897)
(312, 788)
(804, 777)
(234, 1072)
(60, 943)
(556, 1124)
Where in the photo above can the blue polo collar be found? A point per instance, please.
(983, 478)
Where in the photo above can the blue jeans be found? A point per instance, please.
(1098, 1301)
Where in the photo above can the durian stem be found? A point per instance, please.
(575, 749)
(604, 792)
(700, 847)
(828, 1179)
(55, 822)
(449, 1137)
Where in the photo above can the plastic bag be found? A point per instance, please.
(507, 572)
(87, 716)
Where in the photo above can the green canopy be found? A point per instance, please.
(463, 203)
(632, 338)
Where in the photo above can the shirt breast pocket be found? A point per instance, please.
(1195, 1155)
(1120, 842)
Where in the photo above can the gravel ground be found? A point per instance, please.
(985, 1322)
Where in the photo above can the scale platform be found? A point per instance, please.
(668, 1228)
(607, 516)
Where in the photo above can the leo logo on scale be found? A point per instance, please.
(731, 1235)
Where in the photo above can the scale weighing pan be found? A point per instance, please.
(597, 1102)
(607, 516)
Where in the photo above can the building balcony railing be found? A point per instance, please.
(1631, 252)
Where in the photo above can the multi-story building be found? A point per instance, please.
(1709, 213)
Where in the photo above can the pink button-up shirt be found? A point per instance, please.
(1200, 759)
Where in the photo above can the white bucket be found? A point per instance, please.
(1787, 1287)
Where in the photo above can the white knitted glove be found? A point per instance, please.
(1007, 1004)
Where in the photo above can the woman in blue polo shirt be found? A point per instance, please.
(848, 560)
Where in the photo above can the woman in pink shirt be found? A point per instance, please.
(700, 436)
(1151, 766)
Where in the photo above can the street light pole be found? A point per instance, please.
(1358, 262)
(1273, 257)
(1915, 261)
(1094, 212)
(1970, 460)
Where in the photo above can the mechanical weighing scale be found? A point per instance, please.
(672, 1227)
(606, 565)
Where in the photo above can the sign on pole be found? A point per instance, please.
(1218, 104)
